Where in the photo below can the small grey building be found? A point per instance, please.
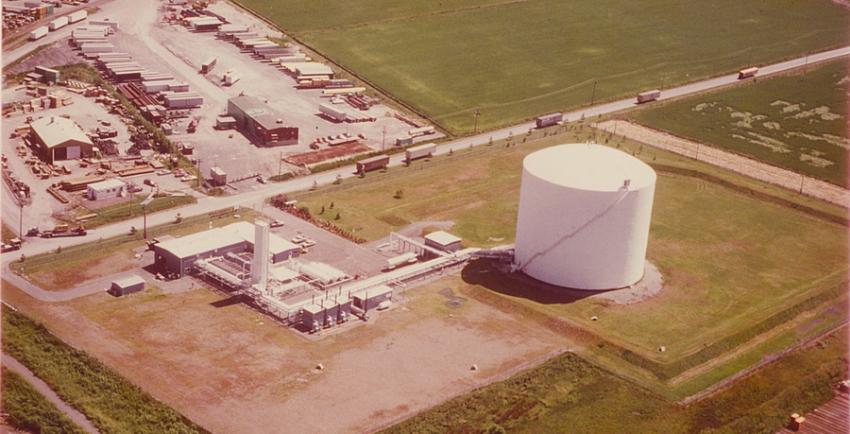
(126, 285)
(371, 298)
(442, 240)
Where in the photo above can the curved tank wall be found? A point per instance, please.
(584, 215)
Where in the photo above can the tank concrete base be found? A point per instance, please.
(651, 284)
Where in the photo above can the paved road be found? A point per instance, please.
(42, 388)
(256, 197)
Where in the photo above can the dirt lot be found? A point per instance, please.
(233, 370)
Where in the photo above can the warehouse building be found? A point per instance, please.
(260, 123)
(58, 138)
(107, 189)
(176, 256)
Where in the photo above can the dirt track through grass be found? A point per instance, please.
(727, 160)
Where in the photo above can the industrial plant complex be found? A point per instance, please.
(332, 217)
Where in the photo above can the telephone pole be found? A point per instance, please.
(593, 94)
(477, 114)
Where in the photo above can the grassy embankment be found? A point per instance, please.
(112, 403)
(567, 394)
(27, 410)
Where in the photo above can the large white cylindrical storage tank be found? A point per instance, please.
(584, 215)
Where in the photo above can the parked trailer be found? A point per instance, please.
(183, 100)
(97, 48)
(747, 73)
(332, 112)
(343, 91)
(650, 95)
(156, 86)
(179, 86)
(106, 22)
(549, 120)
(373, 163)
(78, 16)
(58, 23)
(38, 33)
(422, 131)
(208, 65)
(400, 260)
(421, 151)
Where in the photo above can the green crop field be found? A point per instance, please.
(735, 266)
(796, 121)
(517, 59)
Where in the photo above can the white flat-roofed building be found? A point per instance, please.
(107, 189)
(443, 240)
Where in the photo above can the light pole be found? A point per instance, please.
(593, 94)
(145, 203)
(21, 220)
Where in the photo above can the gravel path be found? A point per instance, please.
(727, 160)
(42, 388)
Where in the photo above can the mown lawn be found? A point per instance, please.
(514, 60)
(796, 121)
(735, 265)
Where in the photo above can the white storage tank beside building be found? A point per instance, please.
(584, 215)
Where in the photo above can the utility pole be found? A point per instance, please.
(477, 114)
(145, 203)
(384, 138)
(593, 94)
(21, 220)
(279, 163)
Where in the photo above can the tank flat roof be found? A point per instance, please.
(589, 167)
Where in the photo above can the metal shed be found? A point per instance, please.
(126, 285)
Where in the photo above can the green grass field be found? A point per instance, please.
(28, 410)
(567, 394)
(517, 59)
(796, 121)
(128, 210)
(735, 266)
(112, 403)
